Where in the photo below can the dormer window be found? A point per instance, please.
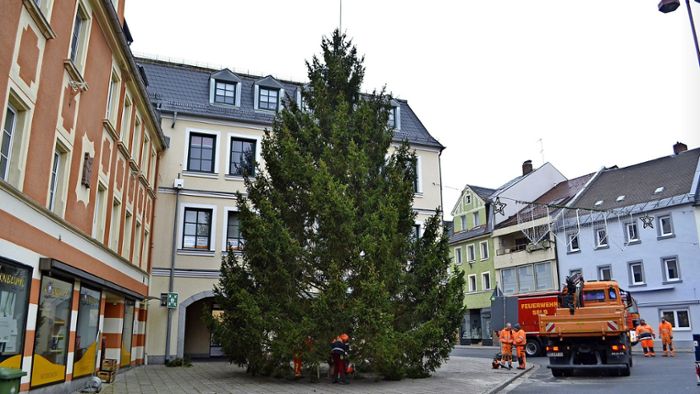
(659, 190)
(620, 198)
(598, 203)
(225, 93)
(394, 119)
(268, 98)
(268, 94)
(225, 88)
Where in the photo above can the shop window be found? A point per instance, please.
(86, 332)
(51, 337)
(14, 297)
(127, 333)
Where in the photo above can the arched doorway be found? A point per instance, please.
(194, 338)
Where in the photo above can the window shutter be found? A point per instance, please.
(238, 93)
(397, 117)
(279, 100)
(256, 91)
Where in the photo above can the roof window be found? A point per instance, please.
(225, 88)
(599, 202)
(659, 190)
(620, 198)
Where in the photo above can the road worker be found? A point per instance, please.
(520, 340)
(666, 332)
(339, 353)
(506, 339)
(646, 336)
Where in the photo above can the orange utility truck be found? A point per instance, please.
(592, 328)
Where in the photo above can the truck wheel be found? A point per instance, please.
(533, 348)
(625, 371)
(557, 373)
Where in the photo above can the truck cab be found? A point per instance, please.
(591, 328)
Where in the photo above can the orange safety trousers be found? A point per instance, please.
(297, 365)
(521, 356)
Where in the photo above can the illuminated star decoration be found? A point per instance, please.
(499, 206)
(647, 221)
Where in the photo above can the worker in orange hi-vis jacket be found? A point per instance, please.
(646, 336)
(520, 340)
(506, 339)
(666, 332)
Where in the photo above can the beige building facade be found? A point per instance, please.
(215, 121)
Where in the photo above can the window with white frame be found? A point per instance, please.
(137, 244)
(114, 228)
(126, 120)
(636, 273)
(679, 318)
(665, 226)
(98, 222)
(463, 222)
(601, 238)
(225, 92)
(573, 243)
(467, 199)
(242, 158)
(486, 280)
(234, 236)
(56, 180)
(458, 255)
(526, 278)
(196, 231)
(672, 271)
(472, 283)
(475, 216)
(201, 154)
(416, 230)
(471, 253)
(268, 98)
(631, 233)
(392, 117)
(543, 276)
(484, 249)
(112, 94)
(146, 248)
(508, 280)
(604, 272)
(575, 271)
(80, 26)
(128, 224)
(7, 140)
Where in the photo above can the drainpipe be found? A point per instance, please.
(177, 186)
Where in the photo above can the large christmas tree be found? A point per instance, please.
(329, 242)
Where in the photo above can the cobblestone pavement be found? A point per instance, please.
(458, 375)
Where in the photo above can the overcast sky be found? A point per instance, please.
(602, 83)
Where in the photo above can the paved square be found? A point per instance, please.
(458, 375)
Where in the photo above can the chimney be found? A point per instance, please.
(679, 147)
(527, 167)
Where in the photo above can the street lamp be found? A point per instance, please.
(667, 6)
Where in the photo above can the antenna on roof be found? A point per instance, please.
(541, 149)
(340, 22)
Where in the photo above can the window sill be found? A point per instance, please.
(573, 251)
(196, 252)
(110, 127)
(74, 73)
(230, 177)
(40, 19)
(208, 175)
(672, 282)
(123, 149)
(418, 194)
(266, 111)
(236, 252)
(638, 285)
(602, 247)
(667, 236)
(634, 242)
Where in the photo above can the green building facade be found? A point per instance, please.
(472, 250)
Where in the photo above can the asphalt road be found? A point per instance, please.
(649, 375)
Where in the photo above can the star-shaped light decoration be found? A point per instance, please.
(498, 206)
(647, 221)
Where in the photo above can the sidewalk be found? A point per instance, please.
(458, 375)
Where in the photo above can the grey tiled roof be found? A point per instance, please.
(184, 89)
(472, 233)
(483, 192)
(638, 182)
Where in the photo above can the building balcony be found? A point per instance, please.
(523, 254)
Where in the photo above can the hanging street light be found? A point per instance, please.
(667, 6)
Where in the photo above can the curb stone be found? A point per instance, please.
(511, 380)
